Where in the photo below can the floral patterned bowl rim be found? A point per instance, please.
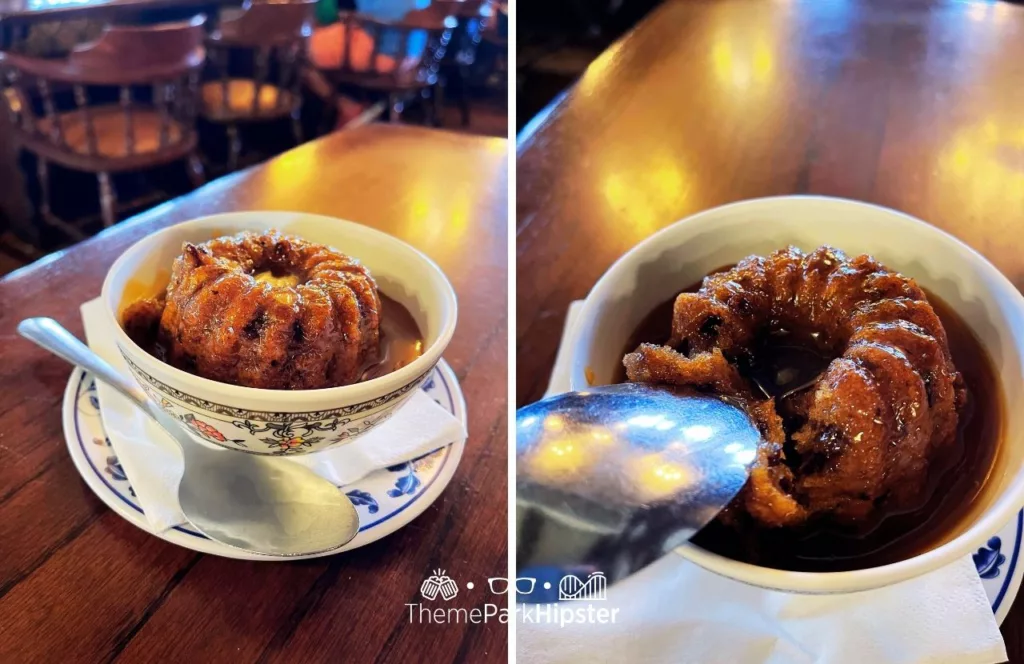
(386, 500)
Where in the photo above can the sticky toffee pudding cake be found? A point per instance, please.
(846, 368)
(273, 311)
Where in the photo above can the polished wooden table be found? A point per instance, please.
(80, 584)
(914, 105)
(37, 11)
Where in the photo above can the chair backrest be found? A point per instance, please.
(268, 22)
(271, 39)
(153, 69)
(140, 54)
(459, 8)
(401, 52)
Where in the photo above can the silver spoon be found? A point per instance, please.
(611, 479)
(255, 503)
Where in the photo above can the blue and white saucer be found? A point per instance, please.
(386, 500)
(1000, 568)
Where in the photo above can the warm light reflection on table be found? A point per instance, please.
(597, 69)
(434, 218)
(916, 107)
(428, 221)
(741, 62)
(985, 163)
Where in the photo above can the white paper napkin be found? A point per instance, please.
(152, 461)
(676, 612)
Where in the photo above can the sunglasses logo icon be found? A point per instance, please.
(524, 585)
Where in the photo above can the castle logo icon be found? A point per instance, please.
(572, 588)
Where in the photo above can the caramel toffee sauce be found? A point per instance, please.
(955, 480)
(400, 339)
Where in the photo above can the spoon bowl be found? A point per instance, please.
(610, 479)
(264, 505)
(260, 504)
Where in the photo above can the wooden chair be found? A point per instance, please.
(271, 37)
(495, 35)
(391, 65)
(473, 17)
(148, 121)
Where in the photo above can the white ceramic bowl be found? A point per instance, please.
(284, 421)
(657, 268)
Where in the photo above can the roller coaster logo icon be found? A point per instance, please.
(572, 588)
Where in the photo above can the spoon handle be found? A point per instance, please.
(49, 334)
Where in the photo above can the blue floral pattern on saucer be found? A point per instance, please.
(988, 559)
(381, 495)
(112, 466)
(363, 499)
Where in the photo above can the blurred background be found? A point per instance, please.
(558, 39)
(112, 107)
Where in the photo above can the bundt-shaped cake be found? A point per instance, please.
(859, 437)
(271, 311)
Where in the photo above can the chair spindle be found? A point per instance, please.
(350, 28)
(162, 100)
(262, 56)
(403, 52)
(221, 58)
(82, 101)
(289, 76)
(129, 123)
(178, 110)
(12, 93)
(378, 36)
(193, 93)
(56, 128)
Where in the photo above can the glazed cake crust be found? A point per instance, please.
(859, 439)
(270, 311)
